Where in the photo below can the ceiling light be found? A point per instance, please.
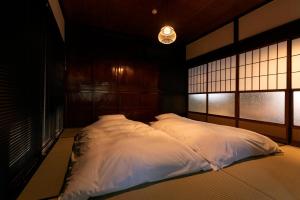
(154, 11)
(167, 35)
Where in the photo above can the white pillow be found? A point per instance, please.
(111, 117)
(167, 116)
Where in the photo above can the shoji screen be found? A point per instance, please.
(221, 84)
(262, 80)
(197, 79)
(197, 84)
(221, 75)
(263, 68)
(296, 79)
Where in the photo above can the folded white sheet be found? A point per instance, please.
(220, 145)
(115, 155)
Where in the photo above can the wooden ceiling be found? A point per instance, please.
(190, 18)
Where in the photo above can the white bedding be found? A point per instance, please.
(118, 154)
(220, 145)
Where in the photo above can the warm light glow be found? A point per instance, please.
(167, 35)
(167, 30)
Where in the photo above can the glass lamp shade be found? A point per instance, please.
(167, 35)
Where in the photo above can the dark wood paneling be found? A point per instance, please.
(197, 116)
(191, 19)
(221, 120)
(295, 136)
(109, 74)
(277, 132)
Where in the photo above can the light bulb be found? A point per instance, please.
(167, 30)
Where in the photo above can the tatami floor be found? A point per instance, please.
(272, 177)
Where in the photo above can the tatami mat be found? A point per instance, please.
(209, 185)
(277, 176)
(272, 177)
(70, 132)
(48, 179)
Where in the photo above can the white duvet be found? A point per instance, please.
(118, 154)
(220, 145)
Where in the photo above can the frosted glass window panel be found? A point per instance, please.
(228, 62)
(264, 68)
(242, 84)
(221, 104)
(209, 77)
(233, 71)
(282, 49)
(296, 80)
(273, 51)
(232, 85)
(228, 85)
(248, 70)
(263, 82)
(256, 56)
(197, 103)
(296, 47)
(281, 81)
(272, 66)
(297, 108)
(255, 69)
(264, 54)
(255, 83)
(296, 63)
(233, 61)
(248, 83)
(242, 71)
(263, 106)
(272, 82)
(223, 63)
(242, 59)
(249, 57)
(282, 62)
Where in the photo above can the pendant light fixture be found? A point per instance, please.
(167, 34)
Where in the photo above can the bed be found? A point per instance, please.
(115, 154)
(220, 145)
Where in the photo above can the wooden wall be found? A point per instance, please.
(111, 73)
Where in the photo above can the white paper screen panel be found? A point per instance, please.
(263, 106)
(297, 108)
(197, 79)
(264, 68)
(296, 63)
(222, 75)
(197, 103)
(221, 104)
